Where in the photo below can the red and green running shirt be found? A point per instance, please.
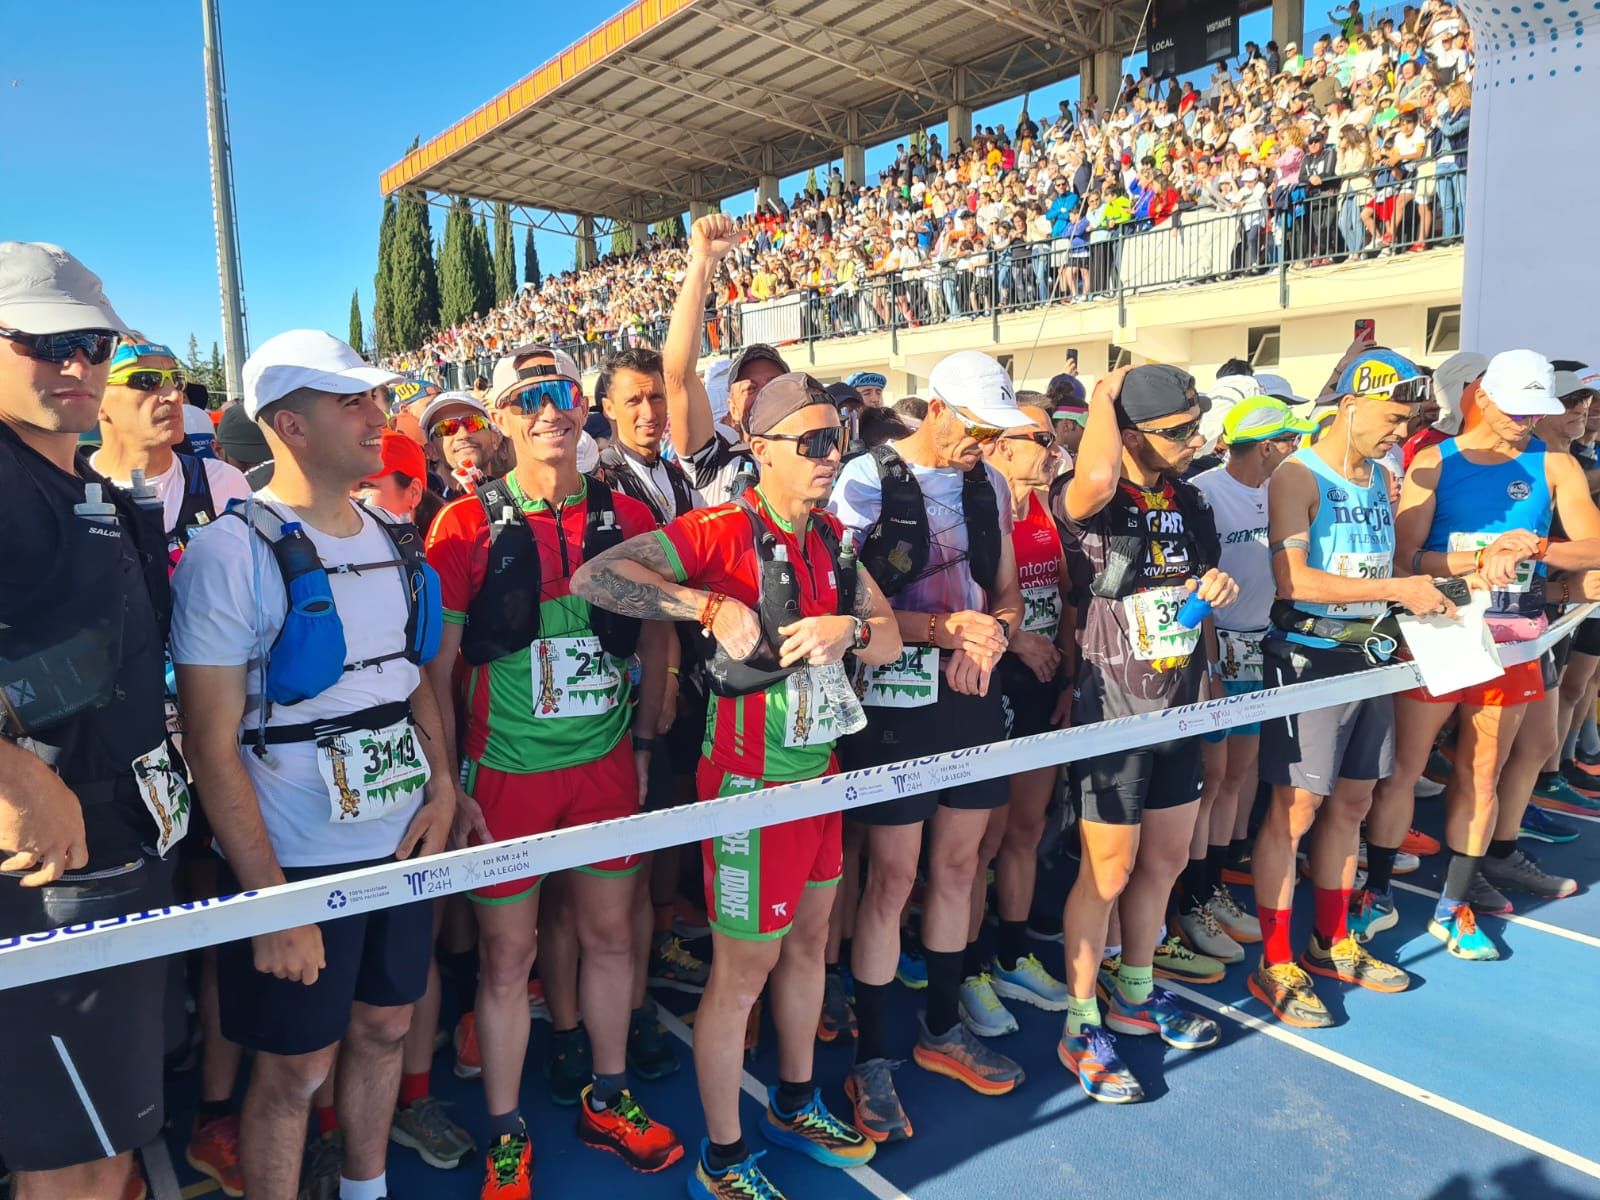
(1037, 544)
(562, 701)
(776, 734)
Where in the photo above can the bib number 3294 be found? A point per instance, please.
(371, 772)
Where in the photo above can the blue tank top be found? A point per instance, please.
(1352, 534)
(1475, 503)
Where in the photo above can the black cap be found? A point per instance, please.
(842, 394)
(755, 352)
(240, 437)
(1156, 390)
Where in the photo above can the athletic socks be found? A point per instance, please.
(605, 1090)
(1333, 910)
(1081, 1013)
(1216, 859)
(1502, 847)
(1113, 951)
(1192, 888)
(1275, 935)
(327, 1119)
(971, 962)
(364, 1189)
(792, 1097)
(846, 948)
(412, 1089)
(1380, 866)
(720, 1157)
(1135, 983)
(872, 1007)
(944, 989)
(1457, 884)
(506, 1125)
(1013, 944)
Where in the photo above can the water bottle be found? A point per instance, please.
(1194, 610)
(144, 495)
(95, 508)
(298, 554)
(467, 475)
(848, 715)
(744, 479)
(780, 594)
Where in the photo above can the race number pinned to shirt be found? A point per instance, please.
(1239, 655)
(574, 677)
(1473, 542)
(1041, 609)
(1354, 565)
(369, 772)
(1153, 628)
(165, 794)
(910, 681)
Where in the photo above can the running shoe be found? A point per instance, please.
(689, 920)
(1521, 872)
(837, 1019)
(469, 1061)
(424, 1127)
(1427, 789)
(1204, 936)
(1370, 914)
(1404, 861)
(878, 1114)
(1542, 827)
(568, 1065)
(1240, 869)
(1461, 936)
(1486, 899)
(1418, 843)
(912, 971)
(817, 1133)
(508, 1169)
(538, 1010)
(672, 966)
(1092, 1057)
(1581, 779)
(651, 1053)
(742, 1181)
(1589, 763)
(214, 1152)
(1241, 926)
(627, 1131)
(1288, 993)
(1347, 961)
(1174, 960)
(982, 1010)
(1107, 975)
(321, 1165)
(960, 1056)
(1030, 983)
(1180, 1029)
(1560, 795)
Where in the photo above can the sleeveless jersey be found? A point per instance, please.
(1352, 534)
(1473, 504)
(1037, 545)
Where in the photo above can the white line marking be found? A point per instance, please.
(158, 1172)
(1572, 935)
(83, 1094)
(1394, 1083)
(753, 1087)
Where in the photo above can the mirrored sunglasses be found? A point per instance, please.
(562, 393)
(95, 344)
(149, 379)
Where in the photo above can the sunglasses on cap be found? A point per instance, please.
(533, 396)
(149, 379)
(1417, 390)
(814, 443)
(1174, 433)
(450, 426)
(978, 432)
(95, 344)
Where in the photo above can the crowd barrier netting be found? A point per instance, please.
(112, 941)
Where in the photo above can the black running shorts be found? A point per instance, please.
(1025, 702)
(1311, 750)
(1118, 789)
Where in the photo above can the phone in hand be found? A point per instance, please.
(1454, 590)
(1367, 331)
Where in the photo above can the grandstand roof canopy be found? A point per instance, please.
(680, 100)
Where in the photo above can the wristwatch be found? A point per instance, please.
(863, 637)
(1005, 628)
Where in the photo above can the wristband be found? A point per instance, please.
(672, 670)
(708, 614)
(1566, 592)
(1477, 560)
(646, 744)
(932, 621)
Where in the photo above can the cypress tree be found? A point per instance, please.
(505, 255)
(382, 298)
(482, 262)
(622, 238)
(455, 266)
(413, 281)
(530, 262)
(355, 322)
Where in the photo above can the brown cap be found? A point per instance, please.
(785, 395)
(755, 352)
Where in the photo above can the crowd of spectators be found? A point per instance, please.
(1353, 146)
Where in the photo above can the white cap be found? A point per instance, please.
(1522, 384)
(1224, 394)
(1279, 388)
(305, 358)
(505, 369)
(1450, 379)
(43, 289)
(979, 386)
(446, 400)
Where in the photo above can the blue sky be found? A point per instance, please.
(103, 148)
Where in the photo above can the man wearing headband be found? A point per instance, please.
(1331, 537)
(1069, 410)
(1480, 507)
(768, 893)
(869, 385)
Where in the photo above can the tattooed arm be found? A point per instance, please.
(873, 608)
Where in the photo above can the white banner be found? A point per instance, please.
(774, 321)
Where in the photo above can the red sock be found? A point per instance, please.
(1333, 911)
(413, 1088)
(1275, 935)
(327, 1120)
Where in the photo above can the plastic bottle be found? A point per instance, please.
(144, 494)
(95, 508)
(780, 593)
(1194, 610)
(467, 475)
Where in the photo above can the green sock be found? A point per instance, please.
(1135, 983)
(1081, 1013)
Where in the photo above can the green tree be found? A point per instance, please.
(219, 374)
(192, 366)
(505, 255)
(382, 300)
(669, 229)
(356, 339)
(455, 265)
(413, 281)
(531, 274)
(622, 237)
(482, 261)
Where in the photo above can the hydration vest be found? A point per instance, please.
(197, 502)
(1129, 538)
(613, 471)
(896, 551)
(504, 616)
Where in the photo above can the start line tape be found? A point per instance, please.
(113, 941)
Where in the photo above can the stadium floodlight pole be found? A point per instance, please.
(235, 345)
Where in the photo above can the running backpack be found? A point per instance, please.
(896, 550)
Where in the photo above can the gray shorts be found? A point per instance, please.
(1310, 750)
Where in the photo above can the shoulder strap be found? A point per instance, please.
(980, 507)
(197, 497)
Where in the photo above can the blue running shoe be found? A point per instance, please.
(742, 1181)
(912, 971)
(1461, 936)
(1542, 827)
(1370, 914)
(1563, 797)
(816, 1133)
(1180, 1029)
(1030, 983)
(1092, 1057)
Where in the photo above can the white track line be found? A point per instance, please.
(1394, 1083)
(158, 1172)
(1572, 935)
(753, 1087)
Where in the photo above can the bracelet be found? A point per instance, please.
(708, 614)
(672, 670)
(932, 621)
(1566, 592)
(1477, 560)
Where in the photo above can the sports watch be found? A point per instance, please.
(863, 637)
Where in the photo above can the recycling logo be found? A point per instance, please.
(850, 793)
(336, 899)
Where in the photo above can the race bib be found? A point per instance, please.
(1041, 610)
(910, 681)
(1239, 655)
(1473, 542)
(165, 794)
(1352, 565)
(371, 772)
(808, 716)
(573, 677)
(1153, 627)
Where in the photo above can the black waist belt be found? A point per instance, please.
(380, 716)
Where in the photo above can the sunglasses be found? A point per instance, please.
(1407, 391)
(450, 426)
(978, 432)
(94, 344)
(562, 393)
(1576, 400)
(1038, 437)
(149, 379)
(1175, 433)
(814, 443)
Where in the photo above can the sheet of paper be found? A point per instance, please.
(1453, 652)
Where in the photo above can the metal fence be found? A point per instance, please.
(1292, 230)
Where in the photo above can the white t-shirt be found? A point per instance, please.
(1241, 513)
(227, 484)
(228, 609)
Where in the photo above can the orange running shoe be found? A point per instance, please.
(469, 1060)
(627, 1131)
(1418, 843)
(214, 1151)
(508, 1169)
